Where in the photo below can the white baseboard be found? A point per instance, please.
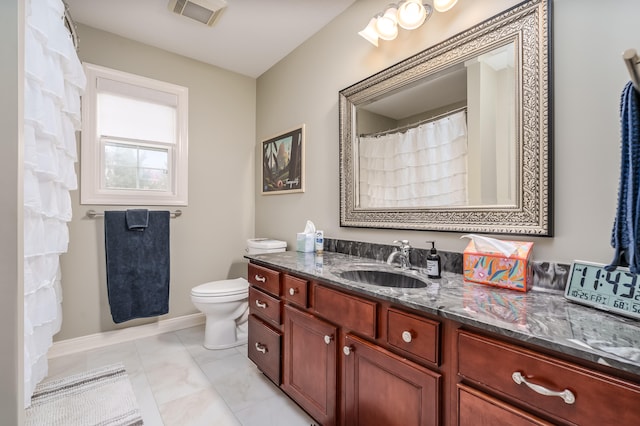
(98, 340)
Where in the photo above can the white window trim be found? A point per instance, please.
(90, 158)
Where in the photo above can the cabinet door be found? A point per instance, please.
(310, 364)
(382, 388)
(479, 409)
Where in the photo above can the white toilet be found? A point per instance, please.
(225, 303)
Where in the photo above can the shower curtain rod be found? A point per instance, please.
(632, 60)
(91, 214)
(416, 124)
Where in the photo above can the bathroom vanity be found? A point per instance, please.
(450, 353)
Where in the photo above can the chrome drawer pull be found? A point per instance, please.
(347, 350)
(567, 396)
(261, 348)
(261, 305)
(292, 291)
(407, 336)
(260, 278)
(328, 339)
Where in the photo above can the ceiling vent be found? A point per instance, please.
(205, 11)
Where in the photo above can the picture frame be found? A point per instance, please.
(283, 162)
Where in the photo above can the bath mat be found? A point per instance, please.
(103, 396)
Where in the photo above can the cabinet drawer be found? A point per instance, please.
(264, 348)
(265, 306)
(599, 399)
(351, 312)
(294, 290)
(265, 278)
(416, 335)
(478, 409)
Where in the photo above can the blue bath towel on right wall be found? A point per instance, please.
(137, 265)
(625, 237)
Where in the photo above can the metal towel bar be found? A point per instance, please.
(632, 60)
(91, 214)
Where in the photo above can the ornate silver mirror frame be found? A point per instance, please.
(528, 26)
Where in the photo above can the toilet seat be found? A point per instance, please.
(221, 288)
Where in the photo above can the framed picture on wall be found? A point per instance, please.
(283, 163)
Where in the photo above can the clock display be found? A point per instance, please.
(617, 291)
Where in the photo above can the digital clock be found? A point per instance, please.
(616, 291)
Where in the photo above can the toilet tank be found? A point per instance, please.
(265, 245)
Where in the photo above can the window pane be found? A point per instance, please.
(131, 166)
(124, 117)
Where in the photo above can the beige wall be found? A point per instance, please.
(11, 250)
(588, 40)
(208, 240)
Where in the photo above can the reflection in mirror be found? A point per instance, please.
(455, 138)
(447, 141)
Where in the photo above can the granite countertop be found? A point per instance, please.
(541, 318)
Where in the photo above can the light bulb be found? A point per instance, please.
(443, 5)
(369, 33)
(387, 24)
(412, 14)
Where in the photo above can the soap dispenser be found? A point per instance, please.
(433, 262)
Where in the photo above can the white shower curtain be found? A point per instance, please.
(54, 80)
(422, 166)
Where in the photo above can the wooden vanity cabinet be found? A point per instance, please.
(264, 346)
(563, 392)
(309, 358)
(384, 389)
(353, 360)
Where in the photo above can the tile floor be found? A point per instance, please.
(178, 382)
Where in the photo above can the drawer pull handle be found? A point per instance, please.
(347, 350)
(293, 291)
(328, 339)
(261, 348)
(261, 305)
(567, 396)
(407, 336)
(260, 278)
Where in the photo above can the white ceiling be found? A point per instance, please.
(249, 38)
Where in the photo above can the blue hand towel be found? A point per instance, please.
(137, 266)
(137, 219)
(625, 237)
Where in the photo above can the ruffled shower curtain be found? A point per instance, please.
(422, 166)
(54, 80)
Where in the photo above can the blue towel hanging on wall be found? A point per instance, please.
(625, 237)
(137, 256)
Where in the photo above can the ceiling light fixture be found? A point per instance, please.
(408, 14)
(443, 5)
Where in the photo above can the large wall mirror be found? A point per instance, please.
(457, 137)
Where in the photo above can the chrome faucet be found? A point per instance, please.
(401, 253)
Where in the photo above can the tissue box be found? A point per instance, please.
(496, 269)
(305, 242)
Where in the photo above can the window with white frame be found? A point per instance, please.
(134, 140)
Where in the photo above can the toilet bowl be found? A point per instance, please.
(226, 309)
(225, 303)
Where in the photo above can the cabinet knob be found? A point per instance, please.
(567, 396)
(328, 339)
(347, 350)
(260, 278)
(261, 305)
(293, 291)
(261, 348)
(407, 336)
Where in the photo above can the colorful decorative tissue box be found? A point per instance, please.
(492, 267)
